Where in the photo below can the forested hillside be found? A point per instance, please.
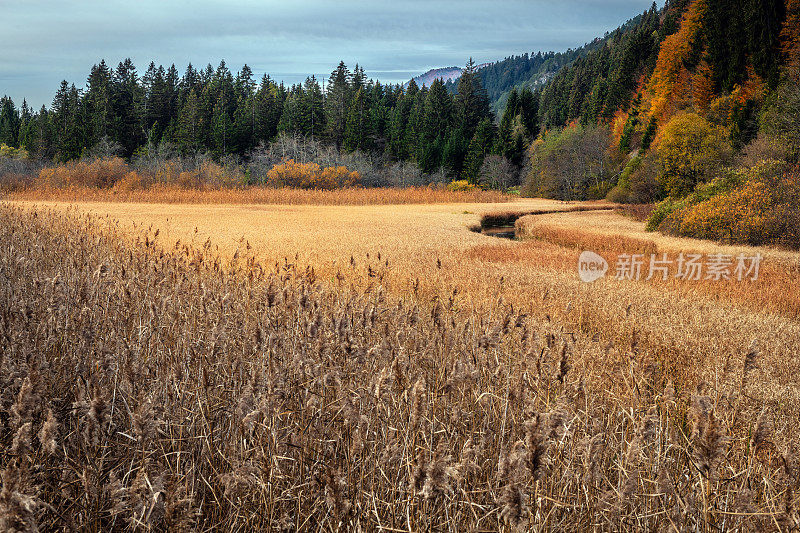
(534, 71)
(526, 70)
(698, 105)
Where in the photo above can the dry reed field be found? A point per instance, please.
(172, 194)
(366, 368)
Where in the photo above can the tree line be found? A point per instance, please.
(222, 112)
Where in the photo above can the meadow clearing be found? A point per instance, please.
(383, 367)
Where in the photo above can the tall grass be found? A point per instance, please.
(497, 219)
(261, 195)
(166, 389)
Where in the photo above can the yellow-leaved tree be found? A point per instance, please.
(691, 150)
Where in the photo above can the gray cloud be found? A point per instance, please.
(45, 41)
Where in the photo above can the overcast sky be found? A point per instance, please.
(45, 41)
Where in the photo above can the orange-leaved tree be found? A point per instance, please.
(670, 77)
(790, 36)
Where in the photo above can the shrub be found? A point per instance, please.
(762, 148)
(637, 212)
(17, 169)
(599, 190)
(98, 173)
(311, 176)
(9, 152)
(638, 182)
(131, 182)
(644, 185)
(661, 211)
(461, 186)
(763, 210)
(338, 177)
(619, 194)
(781, 120)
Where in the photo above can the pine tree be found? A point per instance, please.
(529, 107)
(398, 125)
(244, 84)
(379, 116)
(454, 151)
(32, 136)
(764, 20)
(416, 119)
(509, 116)
(36, 135)
(69, 140)
(401, 136)
(190, 79)
(269, 107)
(649, 134)
(292, 118)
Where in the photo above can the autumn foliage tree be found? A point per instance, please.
(311, 176)
(691, 149)
(703, 88)
(790, 36)
(670, 75)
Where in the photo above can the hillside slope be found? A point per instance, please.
(713, 57)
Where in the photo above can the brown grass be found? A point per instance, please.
(173, 194)
(153, 380)
(508, 218)
(777, 290)
(638, 212)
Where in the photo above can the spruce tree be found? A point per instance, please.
(472, 102)
(529, 107)
(416, 118)
(97, 102)
(355, 134)
(337, 103)
(9, 122)
(478, 148)
(267, 112)
(188, 133)
(126, 103)
(398, 125)
(437, 120)
(221, 129)
(313, 109)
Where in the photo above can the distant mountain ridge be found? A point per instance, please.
(445, 74)
(499, 77)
